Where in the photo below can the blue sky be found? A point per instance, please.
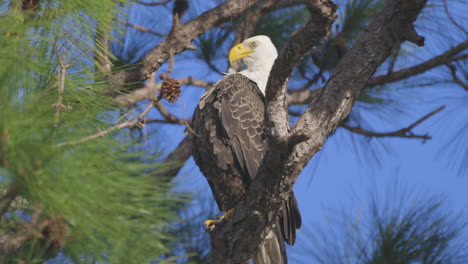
(351, 166)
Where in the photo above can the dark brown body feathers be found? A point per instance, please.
(230, 146)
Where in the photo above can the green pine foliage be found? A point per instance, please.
(92, 200)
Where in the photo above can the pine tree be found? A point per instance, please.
(80, 94)
(91, 198)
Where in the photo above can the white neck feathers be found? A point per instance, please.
(258, 72)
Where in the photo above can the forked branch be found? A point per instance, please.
(253, 217)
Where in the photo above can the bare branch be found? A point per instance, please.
(392, 63)
(461, 57)
(170, 68)
(151, 88)
(403, 133)
(166, 121)
(139, 28)
(452, 19)
(177, 42)
(168, 116)
(129, 123)
(306, 96)
(304, 39)
(196, 82)
(147, 92)
(456, 79)
(442, 59)
(153, 3)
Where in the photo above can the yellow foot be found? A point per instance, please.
(228, 214)
(210, 225)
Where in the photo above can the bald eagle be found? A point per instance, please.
(230, 145)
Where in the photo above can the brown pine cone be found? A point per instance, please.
(170, 90)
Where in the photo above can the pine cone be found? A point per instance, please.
(170, 90)
(30, 5)
(56, 230)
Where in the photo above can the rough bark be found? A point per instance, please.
(177, 41)
(237, 240)
(306, 96)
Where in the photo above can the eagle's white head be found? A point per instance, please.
(258, 54)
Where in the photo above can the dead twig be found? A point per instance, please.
(168, 116)
(456, 79)
(152, 4)
(171, 64)
(140, 28)
(129, 123)
(452, 19)
(171, 119)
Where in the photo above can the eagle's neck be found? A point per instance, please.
(258, 72)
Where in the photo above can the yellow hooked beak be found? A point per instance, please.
(238, 52)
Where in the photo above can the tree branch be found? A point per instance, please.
(237, 240)
(306, 96)
(442, 59)
(452, 19)
(129, 123)
(151, 88)
(456, 79)
(168, 116)
(177, 41)
(403, 133)
(139, 28)
(152, 4)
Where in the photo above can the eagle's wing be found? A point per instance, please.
(235, 106)
(241, 111)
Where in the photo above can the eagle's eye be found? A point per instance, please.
(253, 45)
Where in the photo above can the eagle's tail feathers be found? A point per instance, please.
(272, 249)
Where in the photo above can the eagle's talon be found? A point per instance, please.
(211, 224)
(228, 214)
